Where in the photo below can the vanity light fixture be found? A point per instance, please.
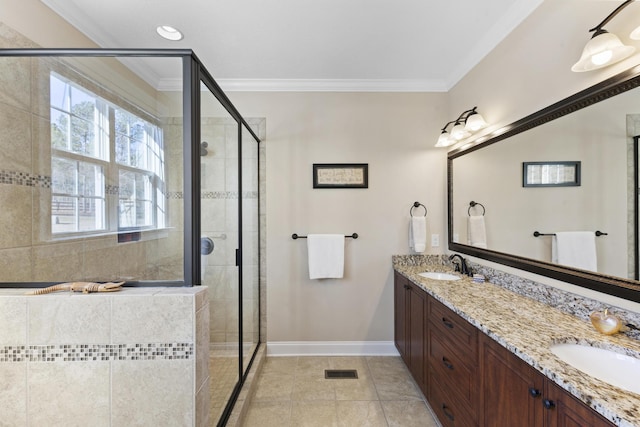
(467, 123)
(169, 33)
(604, 48)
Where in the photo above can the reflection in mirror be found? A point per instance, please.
(601, 137)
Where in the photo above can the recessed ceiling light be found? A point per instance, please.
(169, 33)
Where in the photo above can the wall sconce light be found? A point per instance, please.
(605, 48)
(467, 123)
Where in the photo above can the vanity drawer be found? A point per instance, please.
(452, 372)
(456, 332)
(451, 412)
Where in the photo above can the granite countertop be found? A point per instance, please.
(528, 328)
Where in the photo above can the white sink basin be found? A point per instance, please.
(439, 276)
(613, 368)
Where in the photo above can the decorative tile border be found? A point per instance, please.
(96, 352)
(24, 178)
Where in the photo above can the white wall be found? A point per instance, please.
(394, 134)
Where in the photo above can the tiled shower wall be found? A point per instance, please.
(28, 251)
(135, 357)
(220, 223)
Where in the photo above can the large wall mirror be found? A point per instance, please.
(599, 128)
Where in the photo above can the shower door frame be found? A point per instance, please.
(198, 74)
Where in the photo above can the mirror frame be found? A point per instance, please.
(619, 287)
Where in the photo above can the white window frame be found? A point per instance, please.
(104, 156)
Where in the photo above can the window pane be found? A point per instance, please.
(82, 104)
(63, 176)
(63, 214)
(122, 149)
(82, 136)
(91, 214)
(59, 93)
(90, 180)
(136, 200)
(59, 130)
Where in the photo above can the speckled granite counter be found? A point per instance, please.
(527, 328)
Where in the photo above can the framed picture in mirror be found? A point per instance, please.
(551, 174)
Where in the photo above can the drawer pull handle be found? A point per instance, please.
(549, 404)
(447, 363)
(446, 411)
(447, 323)
(534, 392)
(407, 287)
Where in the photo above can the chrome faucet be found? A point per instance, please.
(461, 265)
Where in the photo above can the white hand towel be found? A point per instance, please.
(326, 256)
(418, 234)
(575, 249)
(476, 231)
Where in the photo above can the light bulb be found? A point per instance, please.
(443, 140)
(602, 57)
(169, 33)
(458, 131)
(474, 123)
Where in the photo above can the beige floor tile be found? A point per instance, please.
(268, 414)
(360, 389)
(360, 414)
(347, 362)
(397, 388)
(312, 366)
(292, 391)
(273, 387)
(384, 366)
(311, 388)
(408, 414)
(279, 365)
(314, 414)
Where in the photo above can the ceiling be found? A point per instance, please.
(373, 45)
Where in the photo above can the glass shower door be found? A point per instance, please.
(220, 239)
(250, 248)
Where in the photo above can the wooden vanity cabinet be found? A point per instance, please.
(452, 366)
(513, 393)
(410, 304)
(471, 380)
(567, 411)
(511, 390)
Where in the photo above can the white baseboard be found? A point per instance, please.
(331, 348)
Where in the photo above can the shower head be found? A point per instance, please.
(203, 148)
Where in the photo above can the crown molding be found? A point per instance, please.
(317, 85)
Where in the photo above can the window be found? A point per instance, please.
(94, 143)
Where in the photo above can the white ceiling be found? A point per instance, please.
(385, 45)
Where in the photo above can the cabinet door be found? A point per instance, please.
(511, 389)
(566, 411)
(400, 296)
(417, 335)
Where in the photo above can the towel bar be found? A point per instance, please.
(295, 236)
(473, 204)
(415, 205)
(538, 234)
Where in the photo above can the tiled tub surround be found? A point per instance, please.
(528, 327)
(134, 357)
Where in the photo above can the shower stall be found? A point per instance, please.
(133, 165)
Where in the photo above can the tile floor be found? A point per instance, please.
(292, 391)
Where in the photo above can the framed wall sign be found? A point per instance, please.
(550, 174)
(340, 175)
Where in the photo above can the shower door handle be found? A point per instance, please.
(206, 245)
